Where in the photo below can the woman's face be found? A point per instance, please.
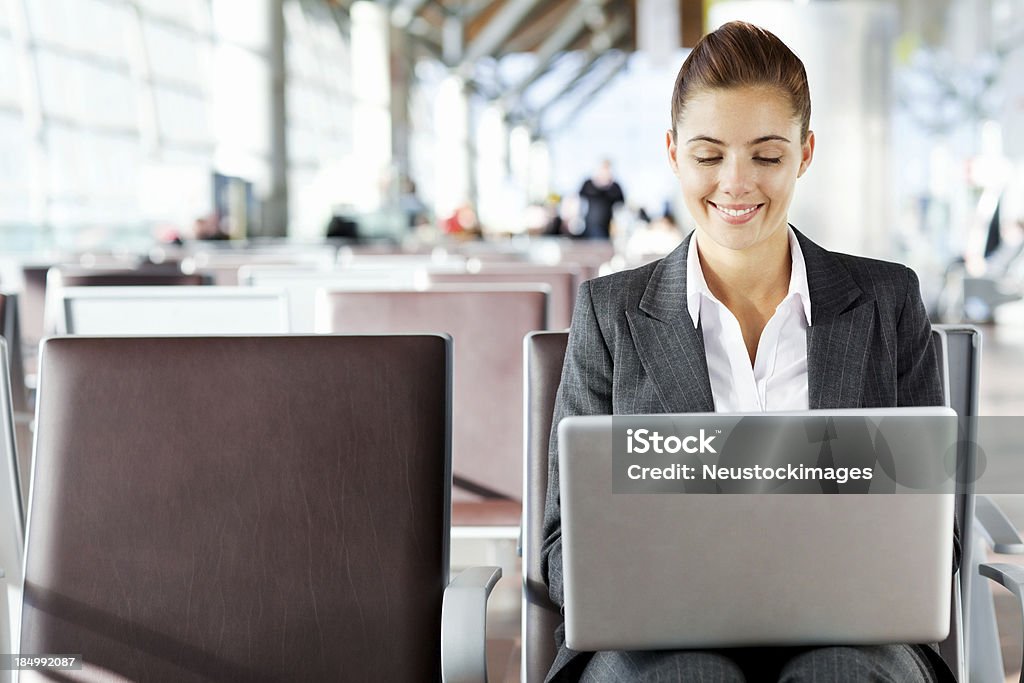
(737, 154)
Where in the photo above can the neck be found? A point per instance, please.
(759, 274)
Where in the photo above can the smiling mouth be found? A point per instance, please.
(739, 211)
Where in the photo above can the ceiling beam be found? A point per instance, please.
(618, 61)
(496, 31)
(474, 8)
(579, 18)
(405, 11)
(615, 35)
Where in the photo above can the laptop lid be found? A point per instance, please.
(787, 557)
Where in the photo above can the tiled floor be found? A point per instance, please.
(1002, 393)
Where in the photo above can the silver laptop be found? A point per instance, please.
(841, 533)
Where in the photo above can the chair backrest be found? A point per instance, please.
(563, 281)
(223, 262)
(32, 305)
(241, 508)
(10, 330)
(60, 277)
(12, 520)
(301, 285)
(544, 354)
(588, 255)
(349, 259)
(487, 325)
(154, 276)
(959, 350)
(143, 310)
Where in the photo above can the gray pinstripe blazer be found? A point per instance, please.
(633, 349)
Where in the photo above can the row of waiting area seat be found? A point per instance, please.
(278, 508)
(228, 508)
(486, 304)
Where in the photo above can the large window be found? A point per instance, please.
(319, 106)
(115, 114)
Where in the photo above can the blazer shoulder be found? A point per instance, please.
(622, 288)
(885, 279)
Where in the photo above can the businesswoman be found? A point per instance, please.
(747, 314)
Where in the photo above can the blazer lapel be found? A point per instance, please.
(671, 349)
(841, 329)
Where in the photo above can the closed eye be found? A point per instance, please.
(707, 161)
(768, 161)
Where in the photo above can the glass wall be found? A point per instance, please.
(115, 115)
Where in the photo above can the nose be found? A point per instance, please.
(735, 179)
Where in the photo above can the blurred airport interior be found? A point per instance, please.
(278, 161)
(127, 125)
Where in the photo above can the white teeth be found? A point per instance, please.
(735, 212)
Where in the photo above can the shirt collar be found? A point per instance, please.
(697, 286)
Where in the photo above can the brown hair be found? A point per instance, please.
(741, 54)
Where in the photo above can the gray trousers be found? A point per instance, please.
(866, 664)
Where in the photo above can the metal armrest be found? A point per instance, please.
(1011, 577)
(1000, 533)
(464, 625)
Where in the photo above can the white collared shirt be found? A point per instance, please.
(778, 379)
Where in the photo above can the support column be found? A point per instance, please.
(371, 90)
(452, 157)
(539, 180)
(492, 169)
(520, 139)
(401, 82)
(275, 206)
(657, 29)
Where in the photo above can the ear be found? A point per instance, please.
(670, 145)
(806, 153)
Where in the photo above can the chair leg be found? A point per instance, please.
(985, 663)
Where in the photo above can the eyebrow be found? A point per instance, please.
(757, 141)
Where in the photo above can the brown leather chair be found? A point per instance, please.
(73, 276)
(248, 508)
(10, 330)
(562, 281)
(12, 518)
(487, 324)
(59, 277)
(31, 304)
(545, 352)
(587, 255)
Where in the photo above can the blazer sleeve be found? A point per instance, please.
(917, 367)
(585, 389)
(918, 381)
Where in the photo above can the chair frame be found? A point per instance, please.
(974, 643)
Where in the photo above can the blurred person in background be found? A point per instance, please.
(654, 237)
(601, 194)
(416, 212)
(463, 223)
